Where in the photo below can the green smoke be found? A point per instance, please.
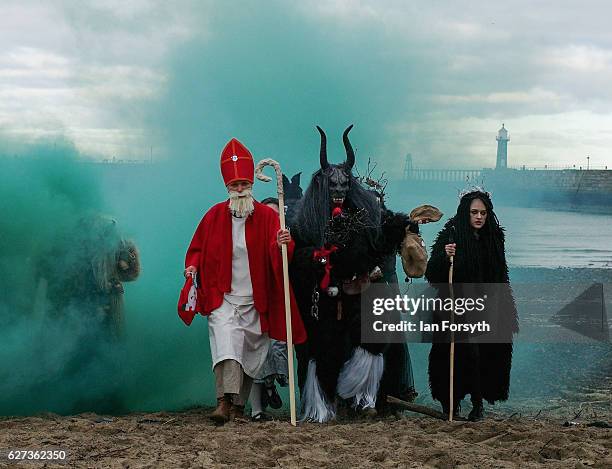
(44, 195)
(269, 75)
(58, 354)
(266, 76)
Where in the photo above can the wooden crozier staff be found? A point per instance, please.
(281, 211)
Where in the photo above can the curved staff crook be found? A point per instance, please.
(281, 211)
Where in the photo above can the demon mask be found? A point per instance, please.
(339, 175)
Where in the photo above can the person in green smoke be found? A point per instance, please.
(80, 291)
(86, 272)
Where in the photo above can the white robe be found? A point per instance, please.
(234, 329)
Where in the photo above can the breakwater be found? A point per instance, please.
(570, 189)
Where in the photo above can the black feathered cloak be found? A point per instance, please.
(336, 332)
(397, 379)
(482, 368)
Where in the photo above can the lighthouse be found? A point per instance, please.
(502, 148)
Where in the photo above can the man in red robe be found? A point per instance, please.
(235, 252)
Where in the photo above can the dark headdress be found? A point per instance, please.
(314, 209)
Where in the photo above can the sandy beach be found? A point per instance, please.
(532, 429)
(188, 439)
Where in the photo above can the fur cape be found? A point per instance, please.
(337, 331)
(486, 263)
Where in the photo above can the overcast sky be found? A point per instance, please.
(435, 79)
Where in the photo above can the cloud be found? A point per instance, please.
(581, 58)
(82, 73)
(186, 76)
(536, 140)
(535, 95)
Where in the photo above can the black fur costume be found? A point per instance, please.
(85, 273)
(364, 236)
(481, 370)
(82, 277)
(398, 379)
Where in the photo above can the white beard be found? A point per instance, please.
(241, 204)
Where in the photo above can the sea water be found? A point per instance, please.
(537, 237)
(555, 238)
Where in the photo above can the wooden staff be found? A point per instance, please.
(421, 409)
(452, 342)
(281, 211)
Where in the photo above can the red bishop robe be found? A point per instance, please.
(210, 252)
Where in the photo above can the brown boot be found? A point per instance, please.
(221, 414)
(237, 413)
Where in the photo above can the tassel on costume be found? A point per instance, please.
(360, 378)
(314, 406)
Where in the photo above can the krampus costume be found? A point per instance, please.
(481, 369)
(340, 237)
(80, 285)
(87, 273)
(398, 379)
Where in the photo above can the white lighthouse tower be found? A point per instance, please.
(502, 148)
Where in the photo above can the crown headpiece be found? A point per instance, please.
(474, 188)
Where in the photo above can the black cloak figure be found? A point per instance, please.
(293, 194)
(86, 273)
(480, 369)
(397, 380)
(340, 238)
(80, 285)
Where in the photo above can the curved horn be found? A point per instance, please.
(323, 155)
(350, 154)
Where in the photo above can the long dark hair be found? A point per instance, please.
(314, 209)
(491, 233)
